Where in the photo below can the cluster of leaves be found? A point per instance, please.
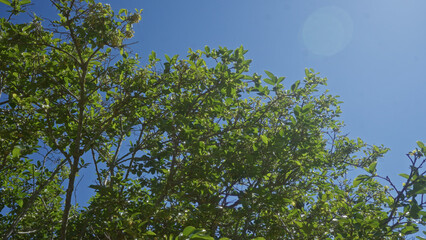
(178, 146)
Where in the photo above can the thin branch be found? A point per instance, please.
(29, 203)
(96, 166)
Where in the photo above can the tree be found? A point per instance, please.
(189, 144)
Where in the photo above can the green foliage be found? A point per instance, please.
(200, 149)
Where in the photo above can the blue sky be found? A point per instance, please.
(372, 52)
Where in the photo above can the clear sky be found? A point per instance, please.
(372, 52)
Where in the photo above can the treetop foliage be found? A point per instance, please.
(180, 148)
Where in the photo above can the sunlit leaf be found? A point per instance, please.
(5, 2)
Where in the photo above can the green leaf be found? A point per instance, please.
(188, 230)
(167, 58)
(269, 81)
(307, 108)
(280, 79)
(122, 11)
(419, 188)
(272, 76)
(422, 147)
(5, 2)
(299, 224)
(372, 167)
(360, 179)
(20, 202)
(201, 237)
(23, 2)
(307, 72)
(295, 85)
(254, 147)
(16, 151)
(207, 49)
(150, 233)
(406, 176)
(264, 139)
(414, 210)
(297, 111)
(124, 53)
(410, 229)
(24, 29)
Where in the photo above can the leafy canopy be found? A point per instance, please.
(179, 145)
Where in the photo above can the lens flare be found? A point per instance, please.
(327, 31)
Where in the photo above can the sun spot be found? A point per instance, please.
(327, 31)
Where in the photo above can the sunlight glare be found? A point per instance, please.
(327, 31)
